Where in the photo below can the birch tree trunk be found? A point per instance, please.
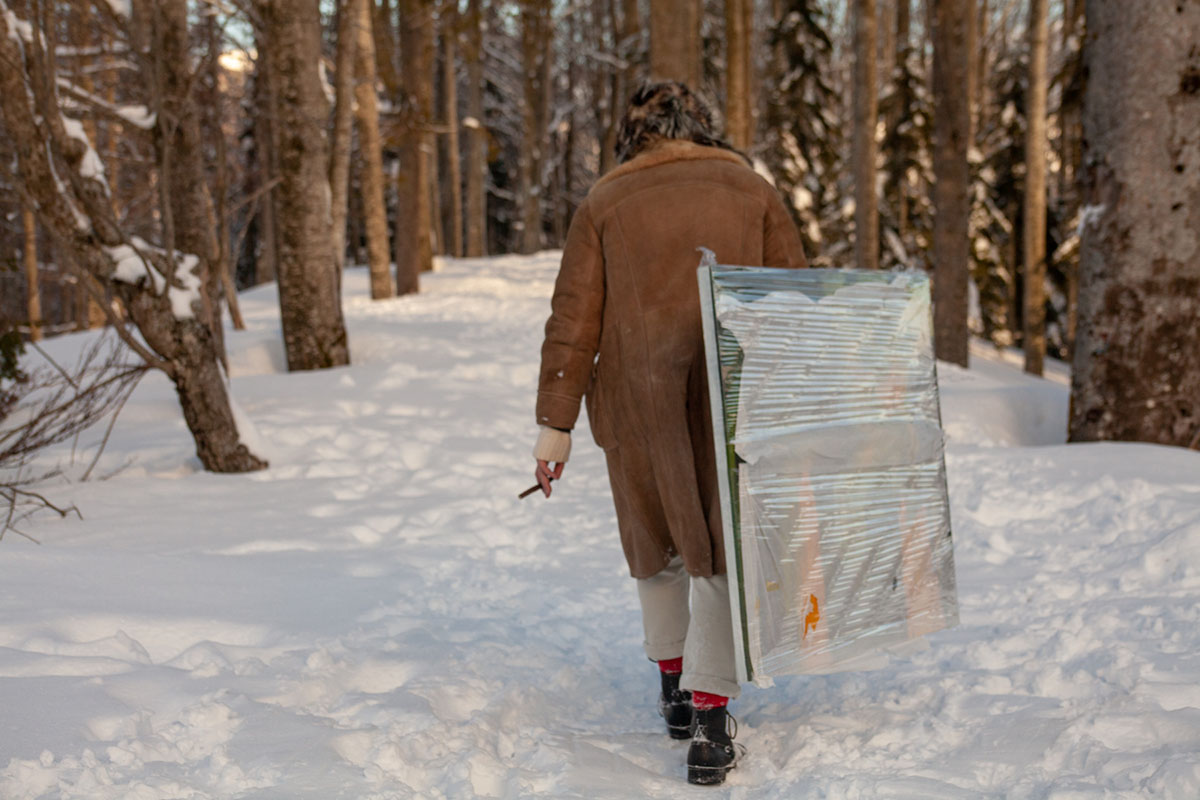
(866, 206)
(33, 297)
(1034, 235)
(414, 250)
(310, 301)
(371, 149)
(476, 135)
(343, 122)
(951, 138)
(675, 41)
(1136, 373)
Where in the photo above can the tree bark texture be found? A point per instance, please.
(476, 135)
(414, 250)
(1034, 238)
(629, 29)
(536, 37)
(454, 239)
(75, 204)
(973, 77)
(216, 132)
(265, 158)
(33, 297)
(182, 171)
(437, 230)
(951, 138)
(371, 154)
(383, 28)
(310, 301)
(979, 65)
(866, 204)
(1136, 373)
(343, 124)
(675, 41)
(739, 121)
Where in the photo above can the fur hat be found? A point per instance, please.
(666, 110)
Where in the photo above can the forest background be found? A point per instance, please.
(1041, 159)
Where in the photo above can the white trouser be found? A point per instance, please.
(703, 636)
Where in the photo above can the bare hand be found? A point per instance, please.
(545, 474)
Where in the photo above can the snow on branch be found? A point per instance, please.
(136, 115)
(134, 265)
(122, 8)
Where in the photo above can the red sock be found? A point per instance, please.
(703, 701)
(671, 666)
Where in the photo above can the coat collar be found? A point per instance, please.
(671, 150)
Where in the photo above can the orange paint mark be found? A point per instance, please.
(813, 617)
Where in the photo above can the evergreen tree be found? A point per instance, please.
(996, 214)
(906, 216)
(803, 130)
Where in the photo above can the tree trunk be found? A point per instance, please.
(1034, 242)
(951, 136)
(371, 151)
(536, 33)
(414, 252)
(453, 162)
(83, 36)
(74, 202)
(476, 135)
(566, 208)
(437, 230)
(866, 208)
(224, 264)
(675, 41)
(1070, 116)
(343, 122)
(187, 204)
(885, 39)
(385, 46)
(979, 64)
(737, 75)
(266, 149)
(625, 81)
(33, 297)
(310, 299)
(972, 9)
(1136, 373)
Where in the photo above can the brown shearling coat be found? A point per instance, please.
(627, 291)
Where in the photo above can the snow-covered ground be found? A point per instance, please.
(378, 616)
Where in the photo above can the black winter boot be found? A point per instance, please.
(712, 753)
(675, 706)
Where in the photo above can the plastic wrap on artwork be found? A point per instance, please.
(830, 450)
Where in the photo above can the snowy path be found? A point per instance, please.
(378, 616)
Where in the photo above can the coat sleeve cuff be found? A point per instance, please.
(557, 410)
(552, 445)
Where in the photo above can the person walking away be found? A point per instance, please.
(625, 334)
